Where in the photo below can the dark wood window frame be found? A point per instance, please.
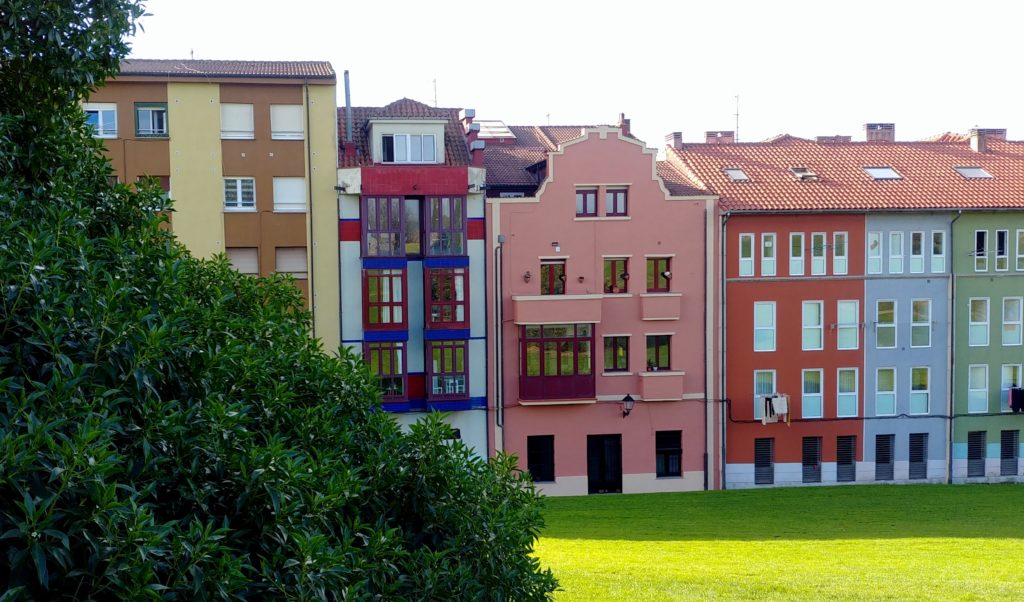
(552, 277)
(441, 290)
(659, 352)
(383, 303)
(445, 226)
(448, 369)
(556, 361)
(586, 202)
(656, 269)
(616, 349)
(616, 202)
(668, 453)
(616, 275)
(386, 360)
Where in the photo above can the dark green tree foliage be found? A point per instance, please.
(167, 428)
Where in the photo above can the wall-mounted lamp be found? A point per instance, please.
(527, 276)
(667, 275)
(558, 247)
(627, 405)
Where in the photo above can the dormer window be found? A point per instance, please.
(883, 172)
(408, 148)
(973, 172)
(803, 174)
(736, 174)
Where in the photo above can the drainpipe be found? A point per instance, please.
(311, 278)
(722, 320)
(707, 444)
(499, 350)
(950, 320)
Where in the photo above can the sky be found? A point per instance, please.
(804, 68)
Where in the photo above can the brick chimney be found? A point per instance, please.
(880, 132)
(476, 153)
(472, 132)
(980, 138)
(623, 124)
(720, 137)
(675, 140)
(833, 139)
(466, 116)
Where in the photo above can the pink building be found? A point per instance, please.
(598, 268)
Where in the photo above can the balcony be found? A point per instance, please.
(556, 309)
(660, 306)
(665, 385)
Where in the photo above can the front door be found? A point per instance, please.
(604, 463)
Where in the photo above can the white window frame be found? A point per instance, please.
(796, 262)
(981, 251)
(1003, 254)
(768, 263)
(147, 111)
(746, 263)
(938, 259)
(1020, 251)
(819, 253)
(917, 325)
(280, 116)
(1005, 384)
(240, 205)
(761, 327)
(841, 395)
(979, 327)
(226, 109)
(103, 129)
(916, 395)
(405, 143)
(917, 259)
(977, 397)
(879, 325)
(1015, 326)
(284, 199)
(847, 326)
(812, 329)
(890, 395)
(874, 255)
(759, 397)
(807, 399)
(840, 262)
(895, 252)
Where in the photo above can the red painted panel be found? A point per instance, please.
(417, 386)
(414, 180)
(476, 229)
(349, 231)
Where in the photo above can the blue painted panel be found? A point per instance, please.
(959, 451)
(396, 407)
(383, 263)
(446, 334)
(446, 262)
(386, 335)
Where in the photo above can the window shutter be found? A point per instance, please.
(812, 460)
(764, 461)
(883, 457)
(846, 452)
(918, 455)
(236, 121)
(290, 195)
(1009, 450)
(244, 259)
(976, 454)
(286, 122)
(292, 260)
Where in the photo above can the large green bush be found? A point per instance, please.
(168, 430)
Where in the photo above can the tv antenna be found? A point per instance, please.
(737, 114)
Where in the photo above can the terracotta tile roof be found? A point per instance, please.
(456, 149)
(254, 69)
(928, 178)
(676, 182)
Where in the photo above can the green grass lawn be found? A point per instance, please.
(920, 542)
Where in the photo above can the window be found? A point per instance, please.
(556, 361)
(977, 388)
(540, 458)
(846, 458)
(839, 254)
(917, 252)
(764, 326)
(552, 277)
(668, 453)
(244, 259)
(447, 369)
(1012, 320)
(102, 118)
(764, 461)
(384, 301)
(736, 174)
(586, 202)
(885, 391)
(921, 323)
(918, 454)
(616, 276)
(1010, 379)
(383, 223)
(658, 353)
(615, 201)
(1020, 250)
(286, 122)
(658, 274)
(981, 251)
(895, 252)
(768, 254)
(884, 456)
(919, 385)
(847, 385)
(803, 173)
(616, 354)
(747, 255)
(812, 326)
(885, 324)
(811, 463)
(447, 298)
(408, 148)
(977, 334)
(796, 254)
(973, 173)
(811, 398)
(386, 360)
(1002, 250)
(764, 385)
(938, 251)
(883, 173)
(848, 325)
(289, 195)
(239, 194)
(236, 122)
(1009, 452)
(151, 119)
(874, 252)
(818, 254)
(976, 453)
(291, 260)
(446, 226)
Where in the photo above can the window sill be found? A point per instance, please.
(152, 136)
(617, 295)
(224, 136)
(669, 477)
(239, 210)
(558, 402)
(274, 136)
(277, 210)
(662, 373)
(601, 218)
(618, 373)
(661, 294)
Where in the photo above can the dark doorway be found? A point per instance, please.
(604, 463)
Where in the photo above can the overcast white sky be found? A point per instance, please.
(800, 67)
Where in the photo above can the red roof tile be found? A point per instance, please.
(928, 178)
(253, 69)
(676, 182)
(456, 149)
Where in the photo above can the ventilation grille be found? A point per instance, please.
(883, 457)
(846, 451)
(1009, 450)
(764, 461)
(812, 460)
(976, 454)
(918, 455)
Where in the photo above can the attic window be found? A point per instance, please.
(736, 174)
(883, 173)
(803, 173)
(973, 173)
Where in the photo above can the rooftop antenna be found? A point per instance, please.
(192, 54)
(737, 114)
(435, 92)
(549, 118)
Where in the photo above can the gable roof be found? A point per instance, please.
(242, 69)
(455, 147)
(928, 180)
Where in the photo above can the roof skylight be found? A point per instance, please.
(973, 172)
(736, 174)
(803, 173)
(883, 172)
